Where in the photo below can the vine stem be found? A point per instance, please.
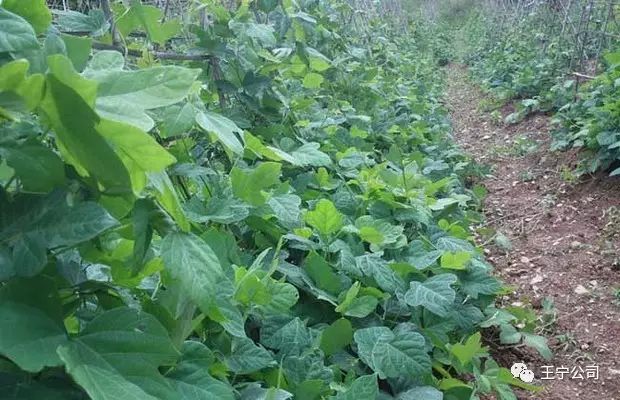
(107, 12)
(162, 55)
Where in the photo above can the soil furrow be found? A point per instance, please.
(563, 241)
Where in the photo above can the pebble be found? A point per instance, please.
(575, 244)
(536, 279)
(580, 289)
(613, 371)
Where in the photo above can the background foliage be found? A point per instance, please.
(551, 56)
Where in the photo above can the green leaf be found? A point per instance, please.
(167, 196)
(503, 242)
(66, 96)
(371, 235)
(58, 224)
(29, 255)
(255, 392)
(32, 310)
(48, 389)
(349, 296)
(125, 95)
(325, 218)
(250, 184)
(509, 334)
(283, 297)
(309, 370)
(364, 387)
(218, 209)
(94, 23)
(290, 339)
(322, 273)
(118, 354)
(28, 89)
(267, 5)
(310, 155)
(421, 392)
(120, 334)
(250, 289)
(318, 62)
(449, 243)
(193, 263)
(39, 168)
(97, 377)
(286, 207)
(142, 231)
(312, 80)
(103, 62)
(380, 232)
(354, 306)
(466, 352)
(372, 265)
(226, 313)
(191, 378)
(505, 376)
(261, 34)
(226, 131)
(362, 306)
(478, 280)
(497, 317)
(435, 294)
(33, 11)
(78, 50)
(392, 354)
(336, 336)
(448, 384)
(612, 58)
(148, 18)
(424, 260)
(177, 120)
(140, 153)
(17, 34)
(466, 316)
(539, 343)
(504, 392)
(455, 260)
(72, 225)
(247, 357)
(13, 74)
(311, 389)
(225, 247)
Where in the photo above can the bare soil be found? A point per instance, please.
(564, 234)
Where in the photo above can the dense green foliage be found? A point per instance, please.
(536, 57)
(592, 121)
(524, 51)
(280, 214)
(518, 65)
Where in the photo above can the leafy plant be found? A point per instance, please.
(530, 54)
(262, 205)
(591, 122)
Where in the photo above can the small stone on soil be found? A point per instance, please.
(580, 289)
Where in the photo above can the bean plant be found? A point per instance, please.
(257, 200)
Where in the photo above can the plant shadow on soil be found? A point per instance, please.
(565, 237)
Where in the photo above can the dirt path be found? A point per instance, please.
(564, 238)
